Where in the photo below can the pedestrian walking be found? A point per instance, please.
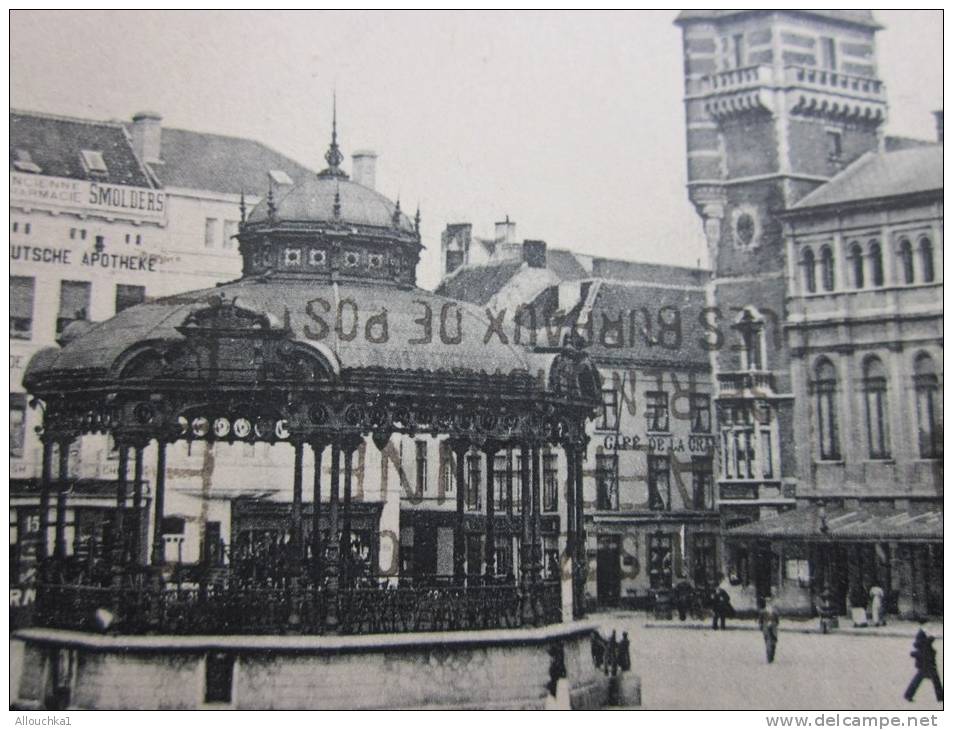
(721, 607)
(877, 606)
(768, 620)
(924, 658)
(683, 599)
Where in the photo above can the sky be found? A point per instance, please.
(569, 123)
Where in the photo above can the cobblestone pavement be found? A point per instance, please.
(689, 666)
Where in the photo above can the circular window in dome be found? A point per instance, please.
(316, 257)
(375, 261)
(352, 259)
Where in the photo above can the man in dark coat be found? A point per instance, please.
(768, 620)
(721, 607)
(924, 658)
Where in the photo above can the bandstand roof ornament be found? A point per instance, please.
(334, 155)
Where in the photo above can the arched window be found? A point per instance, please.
(825, 410)
(875, 397)
(827, 268)
(807, 263)
(750, 326)
(856, 259)
(876, 264)
(906, 261)
(929, 423)
(926, 259)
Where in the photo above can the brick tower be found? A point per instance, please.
(776, 103)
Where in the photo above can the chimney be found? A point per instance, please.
(147, 135)
(938, 116)
(364, 168)
(505, 231)
(534, 254)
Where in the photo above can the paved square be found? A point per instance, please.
(694, 668)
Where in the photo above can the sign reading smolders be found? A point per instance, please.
(115, 201)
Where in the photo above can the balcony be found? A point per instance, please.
(737, 79)
(858, 87)
(746, 384)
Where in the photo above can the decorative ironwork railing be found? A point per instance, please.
(295, 608)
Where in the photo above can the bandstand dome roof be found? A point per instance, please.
(98, 349)
(312, 200)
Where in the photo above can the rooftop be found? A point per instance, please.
(879, 522)
(852, 17)
(46, 144)
(219, 163)
(877, 175)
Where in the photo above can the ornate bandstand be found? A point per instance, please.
(323, 344)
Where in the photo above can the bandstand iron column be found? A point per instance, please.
(460, 448)
(137, 505)
(296, 496)
(158, 542)
(46, 480)
(119, 536)
(346, 555)
(580, 559)
(537, 548)
(490, 449)
(526, 534)
(316, 558)
(59, 549)
(333, 545)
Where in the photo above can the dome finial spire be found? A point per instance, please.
(333, 155)
(241, 208)
(417, 220)
(396, 217)
(272, 208)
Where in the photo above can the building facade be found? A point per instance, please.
(651, 515)
(816, 224)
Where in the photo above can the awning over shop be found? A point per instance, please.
(871, 522)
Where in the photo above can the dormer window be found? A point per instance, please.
(280, 177)
(23, 161)
(316, 257)
(93, 161)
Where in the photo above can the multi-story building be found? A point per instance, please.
(651, 518)
(104, 216)
(805, 204)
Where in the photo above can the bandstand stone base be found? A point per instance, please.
(507, 668)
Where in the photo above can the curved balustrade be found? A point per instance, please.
(295, 606)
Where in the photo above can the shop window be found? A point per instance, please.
(929, 429)
(701, 413)
(447, 468)
(503, 555)
(827, 268)
(875, 398)
(660, 493)
(550, 482)
(421, 448)
(702, 483)
(660, 562)
(473, 482)
(74, 303)
(656, 410)
(503, 481)
(906, 261)
(17, 424)
(607, 481)
(609, 420)
(129, 295)
(825, 410)
(21, 307)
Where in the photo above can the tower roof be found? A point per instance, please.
(852, 17)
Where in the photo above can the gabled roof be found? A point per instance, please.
(638, 306)
(479, 283)
(55, 146)
(217, 163)
(853, 17)
(878, 175)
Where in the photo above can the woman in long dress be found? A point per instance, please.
(877, 606)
